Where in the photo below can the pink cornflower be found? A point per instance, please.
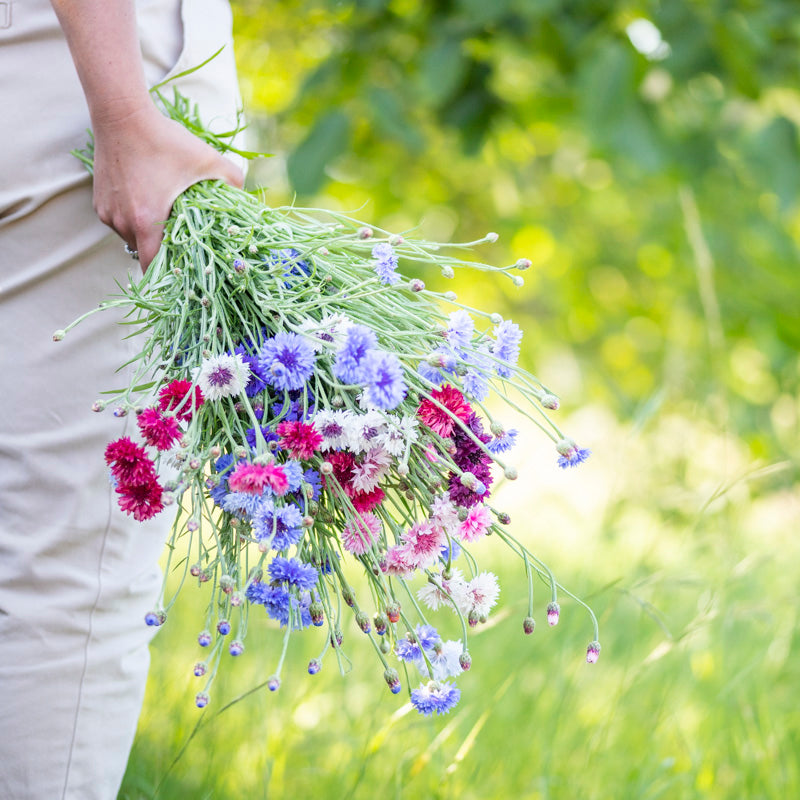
(299, 438)
(360, 535)
(425, 541)
(143, 500)
(399, 561)
(254, 478)
(129, 462)
(366, 501)
(369, 472)
(175, 397)
(476, 524)
(159, 431)
(442, 420)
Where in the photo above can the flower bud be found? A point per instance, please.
(503, 518)
(204, 639)
(468, 480)
(465, 659)
(98, 406)
(154, 618)
(252, 249)
(523, 264)
(226, 583)
(326, 468)
(393, 612)
(593, 652)
(59, 335)
(224, 627)
(236, 599)
(553, 610)
(362, 620)
(308, 522)
(381, 623)
(194, 570)
(447, 272)
(549, 401)
(365, 233)
(274, 683)
(496, 319)
(200, 669)
(511, 473)
(337, 638)
(314, 666)
(317, 612)
(384, 646)
(565, 447)
(392, 678)
(529, 625)
(518, 281)
(236, 648)
(192, 525)
(120, 412)
(451, 297)
(491, 237)
(396, 239)
(201, 701)
(348, 596)
(203, 577)
(473, 619)
(416, 285)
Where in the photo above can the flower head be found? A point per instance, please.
(299, 438)
(435, 696)
(223, 375)
(444, 406)
(570, 455)
(385, 263)
(158, 430)
(460, 329)
(287, 361)
(293, 572)
(129, 463)
(281, 526)
(182, 397)
(361, 533)
(254, 478)
(506, 346)
(503, 442)
(142, 500)
(476, 524)
(385, 387)
(350, 365)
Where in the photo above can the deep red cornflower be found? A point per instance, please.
(129, 462)
(254, 478)
(342, 464)
(438, 419)
(142, 501)
(159, 430)
(366, 501)
(299, 438)
(175, 397)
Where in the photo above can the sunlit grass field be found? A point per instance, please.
(689, 554)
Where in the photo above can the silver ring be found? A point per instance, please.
(134, 254)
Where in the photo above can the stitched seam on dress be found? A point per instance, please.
(89, 638)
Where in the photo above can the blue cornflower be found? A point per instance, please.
(294, 572)
(385, 388)
(450, 553)
(256, 383)
(427, 636)
(290, 259)
(294, 474)
(460, 329)
(475, 384)
(407, 650)
(222, 466)
(280, 604)
(385, 265)
(287, 361)
(435, 696)
(503, 443)
(350, 359)
(577, 456)
(311, 477)
(506, 346)
(241, 504)
(269, 436)
(285, 522)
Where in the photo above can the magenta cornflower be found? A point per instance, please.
(142, 501)
(158, 430)
(477, 523)
(299, 438)
(178, 397)
(442, 420)
(129, 462)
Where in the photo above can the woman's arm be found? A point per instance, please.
(143, 160)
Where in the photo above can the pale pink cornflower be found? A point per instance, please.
(399, 561)
(425, 541)
(359, 535)
(369, 472)
(476, 524)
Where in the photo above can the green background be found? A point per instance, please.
(652, 180)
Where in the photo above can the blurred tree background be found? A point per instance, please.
(644, 156)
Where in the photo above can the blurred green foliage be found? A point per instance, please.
(644, 156)
(544, 121)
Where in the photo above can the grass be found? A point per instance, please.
(689, 558)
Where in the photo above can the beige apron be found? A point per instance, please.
(76, 575)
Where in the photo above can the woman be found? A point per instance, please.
(76, 575)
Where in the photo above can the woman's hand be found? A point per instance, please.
(142, 162)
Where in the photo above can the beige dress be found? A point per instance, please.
(76, 575)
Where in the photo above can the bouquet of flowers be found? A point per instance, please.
(309, 406)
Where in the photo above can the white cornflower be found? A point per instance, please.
(332, 426)
(363, 430)
(482, 592)
(445, 514)
(222, 376)
(326, 333)
(456, 587)
(400, 433)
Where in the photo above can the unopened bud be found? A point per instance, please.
(224, 627)
(98, 406)
(491, 237)
(314, 666)
(553, 611)
(451, 297)
(396, 239)
(473, 619)
(381, 623)
(447, 272)
(59, 335)
(393, 612)
(365, 233)
(465, 659)
(593, 652)
(326, 468)
(518, 281)
(317, 612)
(201, 701)
(503, 518)
(348, 596)
(529, 625)
(274, 683)
(200, 669)
(236, 648)
(416, 285)
(523, 264)
(120, 412)
(362, 620)
(511, 473)
(549, 401)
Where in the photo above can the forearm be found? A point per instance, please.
(102, 38)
